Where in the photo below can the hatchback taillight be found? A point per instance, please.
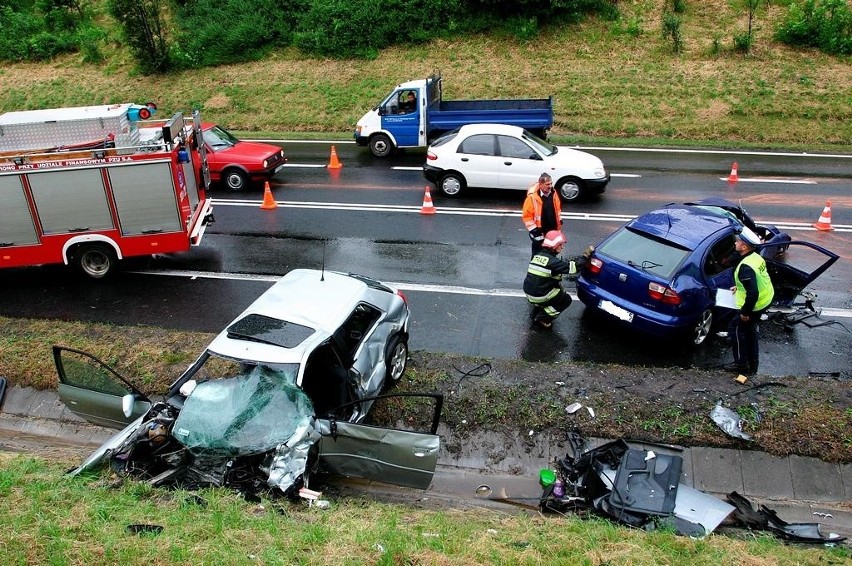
(595, 266)
(431, 156)
(402, 296)
(663, 294)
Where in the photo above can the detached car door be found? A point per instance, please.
(376, 453)
(94, 391)
(797, 268)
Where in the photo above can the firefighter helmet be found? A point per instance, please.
(554, 239)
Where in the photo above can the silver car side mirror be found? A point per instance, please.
(127, 403)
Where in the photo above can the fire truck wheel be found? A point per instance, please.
(235, 179)
(96, 260)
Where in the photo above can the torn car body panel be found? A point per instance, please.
(636, 487)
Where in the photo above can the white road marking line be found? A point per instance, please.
(424, 287)
(782, 181)
(455, 211)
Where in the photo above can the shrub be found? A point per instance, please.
(213, 32)
(671, 30)
(38, 30)
(358, 28)
(824, 24)
(143, 26)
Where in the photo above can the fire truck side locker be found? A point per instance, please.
(92, 208)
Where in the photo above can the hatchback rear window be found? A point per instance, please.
(641, 251)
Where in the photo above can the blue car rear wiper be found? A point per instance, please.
(646, 264)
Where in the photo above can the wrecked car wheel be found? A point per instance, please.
(702, 328)
(396, 360)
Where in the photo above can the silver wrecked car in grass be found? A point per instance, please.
(281, 392)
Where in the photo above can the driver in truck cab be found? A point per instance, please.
(409, 104)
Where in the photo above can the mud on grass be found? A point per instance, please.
(807, 416)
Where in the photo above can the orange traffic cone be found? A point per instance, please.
(333, 162)
(733, 177)
(824, 222)
(268, 202)
(428, 207)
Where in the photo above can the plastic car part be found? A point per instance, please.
(728, 421)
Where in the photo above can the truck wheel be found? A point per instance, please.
(380, 145)
(452, 184)
(570, 189)
(96, 260)
(235, 179)
(396, 360)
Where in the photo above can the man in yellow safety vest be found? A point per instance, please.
(753, 293)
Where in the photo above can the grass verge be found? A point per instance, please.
(51, 519)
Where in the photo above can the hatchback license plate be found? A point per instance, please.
(616, 311)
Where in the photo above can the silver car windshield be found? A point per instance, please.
(254, 410)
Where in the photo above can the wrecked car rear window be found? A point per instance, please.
(246, 414)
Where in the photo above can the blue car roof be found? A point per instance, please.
(685, 226)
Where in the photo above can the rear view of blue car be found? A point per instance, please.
(660, 272)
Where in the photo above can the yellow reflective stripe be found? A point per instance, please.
(544, 299)
(540, 271)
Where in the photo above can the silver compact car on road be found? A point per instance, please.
(282, 391)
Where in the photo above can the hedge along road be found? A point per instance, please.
(461, 268)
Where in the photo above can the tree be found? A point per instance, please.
(142, 22)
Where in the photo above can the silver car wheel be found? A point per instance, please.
(570, 189)
(452, 184)
(397, 360)
(702, 328)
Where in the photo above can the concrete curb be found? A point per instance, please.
(800, 489)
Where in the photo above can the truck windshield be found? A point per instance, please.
(218, 138)
(541, 145)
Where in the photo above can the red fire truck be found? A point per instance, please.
(89, 186)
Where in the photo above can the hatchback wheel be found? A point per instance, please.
(396, 360)
(452, 184)
(702, 328)
(236, 180)
(570, 189)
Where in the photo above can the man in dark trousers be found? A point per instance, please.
(753, 293)
(542, 211)
(543, 283)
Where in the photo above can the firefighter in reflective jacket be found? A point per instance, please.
(753, 293)
(543, 283)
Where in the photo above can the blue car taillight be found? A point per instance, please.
(595, 265)
(664, 294)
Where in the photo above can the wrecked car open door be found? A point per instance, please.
(800, 266)
(387, 455)
(96, 392)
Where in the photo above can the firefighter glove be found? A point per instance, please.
(536, 235)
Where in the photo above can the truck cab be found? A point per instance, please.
(394, 122)
(406, 121)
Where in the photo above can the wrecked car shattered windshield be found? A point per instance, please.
(247, 414)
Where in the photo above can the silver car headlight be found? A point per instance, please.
(600, 172)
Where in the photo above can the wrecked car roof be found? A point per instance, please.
(319, 301)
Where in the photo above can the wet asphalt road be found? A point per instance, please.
(462, 267)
